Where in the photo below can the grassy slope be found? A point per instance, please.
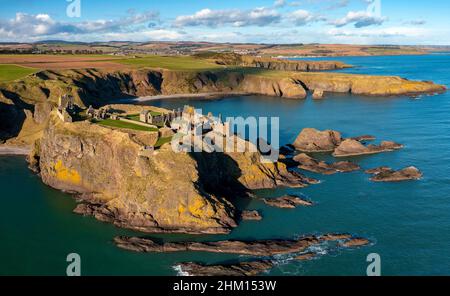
(13, 72)
(127, 125)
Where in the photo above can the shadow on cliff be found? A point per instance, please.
(219, 175)
(98, 89)
(12, 116)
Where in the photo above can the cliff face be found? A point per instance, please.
(277, 87)
(286, 65)
(166, 192)
(366, 84)
(233, 59)
(27, 103)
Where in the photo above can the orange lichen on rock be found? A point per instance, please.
(65, 174)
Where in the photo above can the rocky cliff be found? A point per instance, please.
(25, 105)
(233, 59)
(165, 192)
(365, 84)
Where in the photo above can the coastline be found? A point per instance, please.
(14, 150)
(206, 96)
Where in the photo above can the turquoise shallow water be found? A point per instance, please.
(408, 222)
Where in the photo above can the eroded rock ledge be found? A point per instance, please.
(263, 248)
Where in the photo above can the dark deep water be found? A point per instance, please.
(408, 222)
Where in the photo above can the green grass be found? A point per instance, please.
(170, 63)
(136, 117)
(162, 141)
(127, 125)
(13, 72)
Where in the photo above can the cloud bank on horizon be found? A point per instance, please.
(258, 21)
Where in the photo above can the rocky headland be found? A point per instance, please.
(116, 181)
(165, 192)
(25, 104)
(233, 59)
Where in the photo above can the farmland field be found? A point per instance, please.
(13, 72)
(171, 63)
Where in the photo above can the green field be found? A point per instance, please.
(127, 125)
(136, 117)
(170, 63)
(13, 72)
(162, 141)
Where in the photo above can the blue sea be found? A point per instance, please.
(408, 222)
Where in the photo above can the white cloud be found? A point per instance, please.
(279, 3)
(302, 17)
(29, 25)
(360, 19)
(238, 18)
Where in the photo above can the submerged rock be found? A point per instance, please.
(386, 174)
(287, 202)
(352, 147)
(308, 163)
(312, 140)
(251, 215)
(238, 269)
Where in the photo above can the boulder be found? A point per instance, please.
(386, 174)
(287, 202)
(308, 163)
(389, 145)
(251, 215)
(378, 170)
(317, 94)
(355, 242)
(351, 147)
(312, 140)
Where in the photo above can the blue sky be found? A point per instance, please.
(260, 21)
